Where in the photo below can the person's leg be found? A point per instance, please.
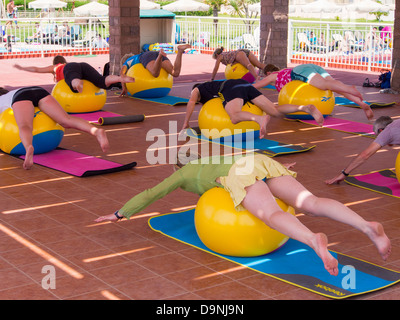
(24, 113)
(328, 83)
(254, 61)
(268, 107)
(242, 58)
(175, 70)
(261, 203)
(90, 74)
(52, 108)
(302, 199)
(367, 109)
(155, 66)
(234, 110)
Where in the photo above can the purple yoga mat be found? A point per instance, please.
(384, 181)
(77, 164)
(345, 126)
(95, 116)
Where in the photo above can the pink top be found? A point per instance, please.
(282, 78)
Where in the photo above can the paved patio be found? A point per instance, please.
(47, 217)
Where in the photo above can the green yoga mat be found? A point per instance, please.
(249, 141)
(293, 263)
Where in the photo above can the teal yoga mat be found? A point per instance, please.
(341, 101)
(293, 263)
(168, 100)
(250, 141)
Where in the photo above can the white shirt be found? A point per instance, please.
(7, 99)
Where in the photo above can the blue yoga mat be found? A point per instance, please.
(168, 100)
(250, 141)
(341, 101)
(293, 263)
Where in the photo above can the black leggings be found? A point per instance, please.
(33, 94)
(83, 71)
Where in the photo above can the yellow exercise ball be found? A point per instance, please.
(147, 86)
(47, 134)
(300, 93)
(235, 71)
(89, 100)
(214, 121)
(397, 167)
(234, 233)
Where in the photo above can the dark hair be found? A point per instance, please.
(270, 68)
(58, 60)
(3, 91)
(380, 28)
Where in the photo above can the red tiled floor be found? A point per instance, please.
(46, 217)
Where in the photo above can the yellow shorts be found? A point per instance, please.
(245, 171)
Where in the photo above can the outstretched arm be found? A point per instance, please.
(270, 79)
(124, 70)
(358, 161)
(216, 67)
(145, 198)
(48, 69)
(194, 97)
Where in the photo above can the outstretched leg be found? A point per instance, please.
(52, 108)
(329, 83)
(268, 107)
(254, 61)
(302, 199)
(261, 202)
(24, 113)
(175, 70)
(234, 110)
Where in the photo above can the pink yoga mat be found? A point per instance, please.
(345, 126)
(384, 181)
(77, 164)
(95, 116)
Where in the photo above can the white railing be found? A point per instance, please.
(340, 45)
(344, 45)
(51, 36)
(206, 34)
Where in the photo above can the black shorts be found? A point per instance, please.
(83, 71)
(149, 56)
(33, 94)
(239, 88)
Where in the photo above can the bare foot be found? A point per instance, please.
(320, 246)
(379, 238)
(183, 47)
(28, 162)
(127, 79)
(102, 139)
(263, 125)
(77, 84)
(314, 112)
(162, 53)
